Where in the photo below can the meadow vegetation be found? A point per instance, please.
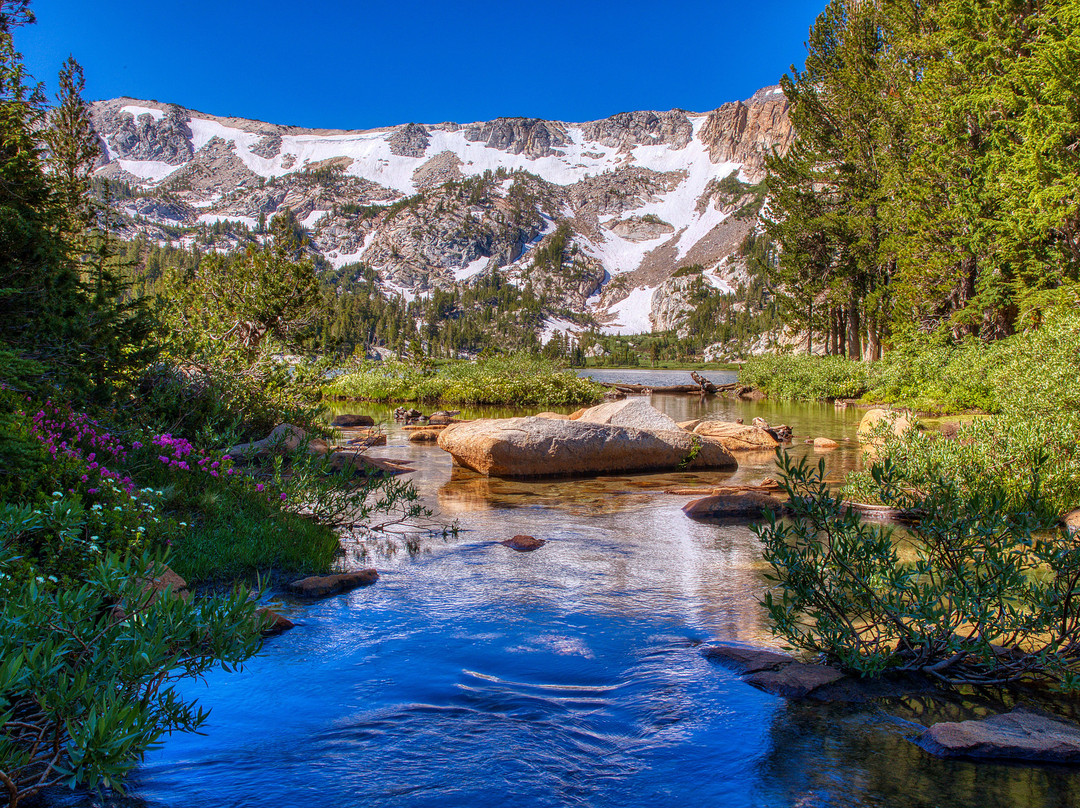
(514, 379)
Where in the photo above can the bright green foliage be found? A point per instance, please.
(88, 671)
(797, 377)
(517, 380)
(1026, 375)
(824, 195)
(981, 590)
(934, 182)
(265, 293)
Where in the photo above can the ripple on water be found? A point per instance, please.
(472, 675)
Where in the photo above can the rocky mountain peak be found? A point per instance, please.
(529, 136)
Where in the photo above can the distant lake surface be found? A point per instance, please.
(471, 675)
(655, 378)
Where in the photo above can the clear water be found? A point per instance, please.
(472, 675)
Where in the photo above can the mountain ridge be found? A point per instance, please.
(638, 194)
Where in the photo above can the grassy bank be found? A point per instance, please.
(932, 374)
(518, 380)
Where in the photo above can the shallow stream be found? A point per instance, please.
(472, 675)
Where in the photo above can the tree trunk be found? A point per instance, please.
(853, 329)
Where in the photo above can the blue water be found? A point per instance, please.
(471, 675)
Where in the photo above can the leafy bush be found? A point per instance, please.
(1031, 370)
(514, 379)
(805, 378)
(980, 591)
(88, 672)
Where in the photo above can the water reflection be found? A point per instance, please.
(472, 675)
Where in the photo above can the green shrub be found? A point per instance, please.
(979, 592)
(88, 671)
(797, 377)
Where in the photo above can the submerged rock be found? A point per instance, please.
(321, 586)
(424, 435)
(524, 544)
(1022, 734)
(796, 680)
(741, 505)
(775, 672)
(273, 623)
(353, 420)
(745, 659)
(825, 444)
(538, 447)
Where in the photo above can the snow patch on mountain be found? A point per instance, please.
(137, 112)
(632, 313)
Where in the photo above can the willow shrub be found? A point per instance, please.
(512, 379)
(797, 377)
(88, 672)
(979, 591)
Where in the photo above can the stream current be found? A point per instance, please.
(473, 675)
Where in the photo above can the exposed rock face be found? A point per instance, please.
(1071, 520)
(410, 140)
(744, 132)
(165, 140)
(747, 505)
(1019, 735)
(529, 136)
(642, 128)
(616, 192)
(321, 586)
(641, 228)
(538, 447)
(444, 167)
(737, 437)
(635, 413)
(269, 147)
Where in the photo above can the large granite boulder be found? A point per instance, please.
(635, 413)
(1019, 735)
(283, 439)
(900, 423)
(737, 437)
(539, 447)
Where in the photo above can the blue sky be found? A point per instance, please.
(362, 64)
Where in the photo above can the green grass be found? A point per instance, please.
(517, 380)
(236, 536)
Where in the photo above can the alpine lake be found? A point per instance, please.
(473, 675)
